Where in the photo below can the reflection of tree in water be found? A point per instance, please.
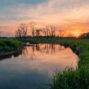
(34, 50)
(25, 53)
(46, 48)
(52, 47)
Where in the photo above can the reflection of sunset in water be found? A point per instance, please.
(50, 58)
(36, 63)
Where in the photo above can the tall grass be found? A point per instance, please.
(70, 79)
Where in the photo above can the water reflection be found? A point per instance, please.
(33, 67)
(50, 57)
(43, 48)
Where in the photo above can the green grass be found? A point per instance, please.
(8, 45)
(70, 79)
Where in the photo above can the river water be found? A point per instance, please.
(33, 68)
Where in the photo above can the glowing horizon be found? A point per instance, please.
(71, 15)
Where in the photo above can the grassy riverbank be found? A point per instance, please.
(9, 45)
(70, 79)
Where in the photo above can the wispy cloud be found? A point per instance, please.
(49, 11)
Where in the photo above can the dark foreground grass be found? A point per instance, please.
(70, 79)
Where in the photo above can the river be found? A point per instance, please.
(34, 67)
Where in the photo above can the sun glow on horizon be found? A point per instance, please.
(66, 30)
(77, 33)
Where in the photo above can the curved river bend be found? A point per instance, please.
(33, 68)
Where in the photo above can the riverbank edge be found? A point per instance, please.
(17, 50)
(12, 50)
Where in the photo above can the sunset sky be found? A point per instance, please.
(73, 13)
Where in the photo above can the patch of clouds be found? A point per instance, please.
(49, 11)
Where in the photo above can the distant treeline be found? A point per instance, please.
(85, 35)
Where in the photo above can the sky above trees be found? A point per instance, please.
(48, 11)
(70, 15)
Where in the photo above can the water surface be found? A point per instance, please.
(34, 67)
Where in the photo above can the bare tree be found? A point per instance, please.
(46, 31)
(32, 26)
(33, 33)
(22, 31)
(38, 32)
(52, 30)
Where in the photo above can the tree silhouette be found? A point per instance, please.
(85, 35)
(22, 31)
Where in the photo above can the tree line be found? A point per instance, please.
(47, 31)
